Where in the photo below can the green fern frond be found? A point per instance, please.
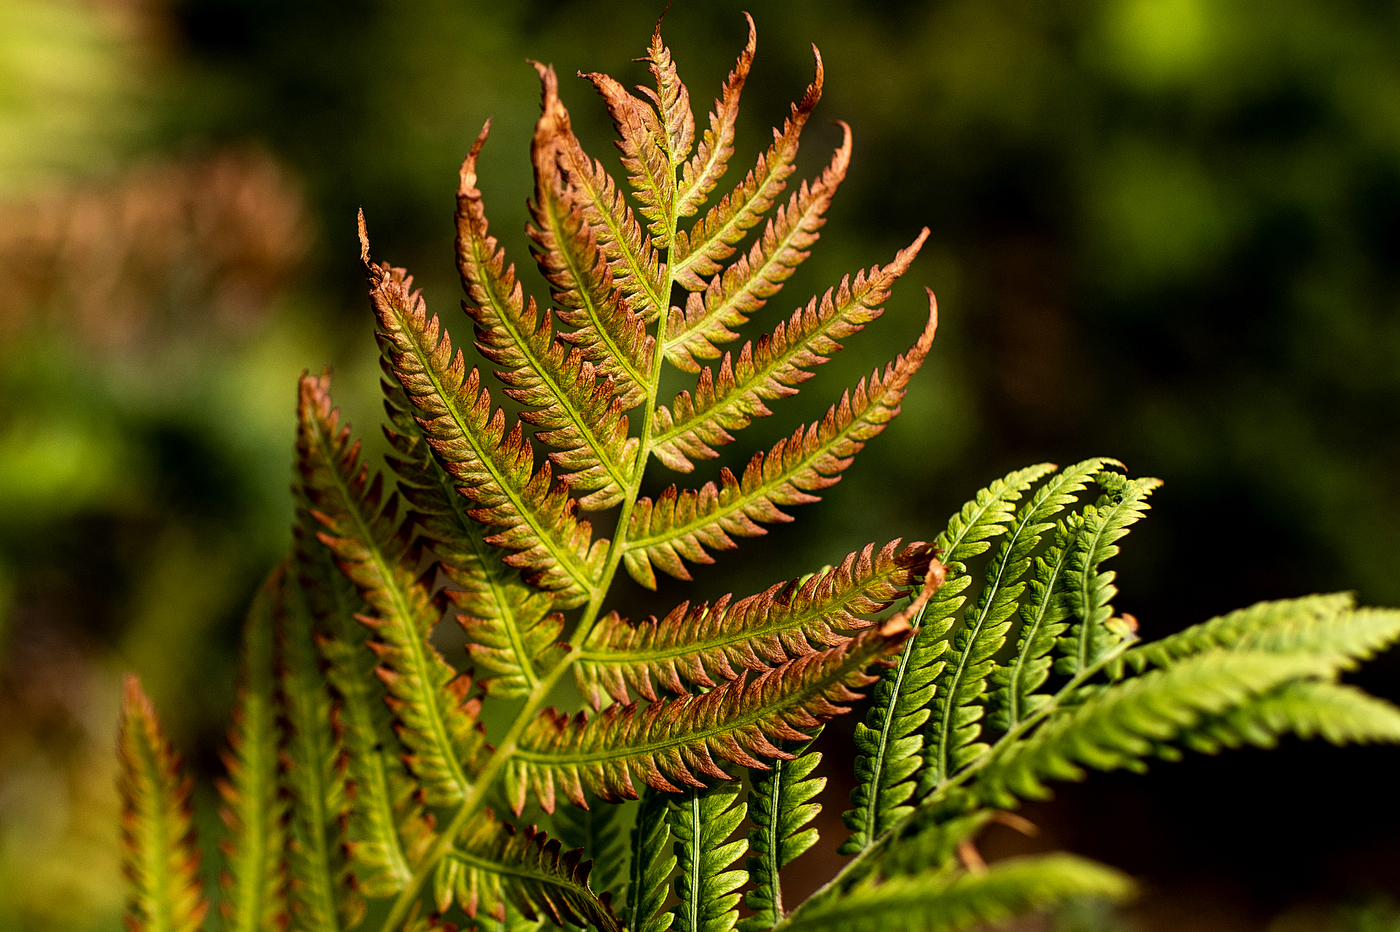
(780, 809)
(255, 881)
(597, 831)
(1126, 724)
(322, 892)
(735, 293)
(511, 628)
(492, 864)
(669, 741)
(709, 644)
(704, 170)
(575, 411)
(494, 468)
(1123, 504)
(699, 252)
(159, 856)
(1338, 713)
(951, 901)
(437, 721)
(694, 425)
(680, 525)
(955, 724)
(650, 866)
(707, 889)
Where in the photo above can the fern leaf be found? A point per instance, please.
(949, 901)
(732, 296)
(511, 628)
(711, 159)
(383, 827)
(672, 102)
(576, 412)
(707, 890)
(694, 425)
(955, 723)
(889, 742)
(1338, 713)
(437, 722)
(159, 856)
(323, 895)
(1123, 504)
(1127, 722)
(681, 525)
(494, 468)
(1327, 624)
(595, 830)
(608, 333)
(698, 253)
(255, 880)
(492, 864)
(780, 811)
(707, 644)
(668, 742)
(650, 866)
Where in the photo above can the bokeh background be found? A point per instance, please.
(1164, 230)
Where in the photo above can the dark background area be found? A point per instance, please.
(1162, 230)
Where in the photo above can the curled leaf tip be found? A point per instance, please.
(363, 230)
(467, 173)
(932, 298)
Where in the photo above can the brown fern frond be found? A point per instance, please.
(732, 296)
(537, 519)
(680, 525)
(643, 142)
(576, 412)
(698, 253)
(711, 159)
(709, 644)
(671, 744)
(436, 719)
(694, 425)
(159, 855)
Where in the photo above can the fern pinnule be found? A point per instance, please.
(255, 879)
(772, 368)
(707, 644)
(159, 855)
(650, 866)
(707, 888)
(681, 525)
(734, 293)
(436, 719)
(780, 809)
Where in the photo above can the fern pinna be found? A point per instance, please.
(362, 788)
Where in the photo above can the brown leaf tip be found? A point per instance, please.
(466, 175)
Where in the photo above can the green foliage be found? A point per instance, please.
(381, 741)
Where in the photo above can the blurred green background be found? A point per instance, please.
(1164, 230)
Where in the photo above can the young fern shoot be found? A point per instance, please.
(363, 790)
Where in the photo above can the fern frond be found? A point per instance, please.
(650, 866)
(672, 102)
(707, 644)
(597, 830)
(492, 864)
(694, 425)
(698, 252)
(575, 411)
(680, 525)
(952, 901)
(437, 721)
(383, 826)
(781, 808)
(1338, 713)
(1327, 624)
(536, 517)
(1128, 722)
(255, 882)
(159, 856)
(1123, 504)
(670, 741)
(731, 297)
(888, 742)
(607, 332)
(511, 628)
(711, 159)
(322, 891)
(955, 723)
(707, 890)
